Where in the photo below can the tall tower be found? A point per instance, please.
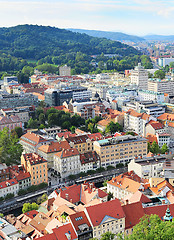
(168, 216)
(139, 77)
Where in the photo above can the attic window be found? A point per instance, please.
(79, 218)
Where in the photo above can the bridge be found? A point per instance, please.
(99, 177)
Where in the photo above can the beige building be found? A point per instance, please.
(122, 186)
(48, 150)
(120, 149)
(161, 86)
(106, 217)
(82, 143)
(36, 166)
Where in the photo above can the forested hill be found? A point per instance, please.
(117, 36)
(36, 42)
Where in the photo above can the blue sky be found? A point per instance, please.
(139, 17)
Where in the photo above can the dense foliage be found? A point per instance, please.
(10, 148)
(29, 206)
(36, 42)
(26, 47)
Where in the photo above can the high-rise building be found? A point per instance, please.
(139, 77)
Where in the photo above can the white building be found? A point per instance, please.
(165, 61)
(163, 138)
(65, 71)
(147, 167)
(9, 186)
(136, 122)
(150, 95)
(67, 162)
(79, 95)
(139, 77)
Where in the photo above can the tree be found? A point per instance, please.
(159, 74)
(113, 127)
(18, 131)
(41, 118)
(108, 236)
(110, 196)
(1, 215)
(164, 148)
(151, 227)
(29, 206)
(42, 199)
(10, 148)
(32, 123)
(171, 65)
(72, 129)
(155, 148)
(130, 133)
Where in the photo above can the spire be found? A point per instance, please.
(168, 216)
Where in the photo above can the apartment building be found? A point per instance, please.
(122, 186)
(139, 77)
(9, 186)
(48, 150)
(150, 95)
(17, 100)
(67, 162)
(4, 172)
(161, 86)
(147, 167)
(136, 122)
(106, 217)
(10, 122)
(89, 161)
(154, 127)
(36, 166)
(31, 141)
(82, 143)
(120, 149)
(22, 112)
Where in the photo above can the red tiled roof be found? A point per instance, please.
(67, 153)
(23, 175)
(54, 147)
(71, 193)
(34, 158)
(32, 138)
(157, 125)
(160, 210)
(98, 212)
(8, 183)
(95, 136)
(133, 213)
(31, 214)
(89, 157)
(64, 231)
(79, 218)
(78, 139)
(66, 134)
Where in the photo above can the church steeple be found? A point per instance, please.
(168, 216)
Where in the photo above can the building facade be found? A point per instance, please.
(120, 149)
(36, 166)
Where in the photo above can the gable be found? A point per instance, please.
(107, 219)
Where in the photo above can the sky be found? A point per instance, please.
(138, 17)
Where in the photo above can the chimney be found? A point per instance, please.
(163, 202)
(127, 201)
